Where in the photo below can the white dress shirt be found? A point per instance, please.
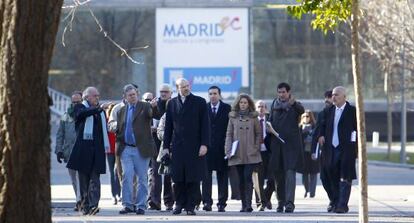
(215, 106)
(338, 114)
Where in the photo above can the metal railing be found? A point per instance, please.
(61, 102)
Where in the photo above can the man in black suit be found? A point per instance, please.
(187, 129)
(338, 134)
(324, 175)
(219, 117)
(263, 195)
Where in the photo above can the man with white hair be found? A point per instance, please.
(338, 134)
(88, 154)
(187, 130)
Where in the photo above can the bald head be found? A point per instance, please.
(339, 96)
(183, 86)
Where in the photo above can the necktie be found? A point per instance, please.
(214, 111)
(335, 138)
(129, 135)
(262, 126)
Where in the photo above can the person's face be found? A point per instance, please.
(183, 88)
(306, 118)
(214, 96)
(283, 94)
(261, 108)
(76, 99)
(131, 96)
(243, 104)
(328, 101)
(338, 97)
(93, 97)
(165, 95)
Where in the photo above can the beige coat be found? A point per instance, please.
(248, 132)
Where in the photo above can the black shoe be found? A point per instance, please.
(207, 207)
(248, 209)
(341, 210)
(85, 211)
(191, 212)
(115, 201)
(140, 211)
(331, 208)
(177, 210)
(220, 208)
(289, 207)
(269, 205)
(78, 206)
(306, 195)
(153, 206)
(169, 208)
(126, 210)
(93, 211)
(279, 209)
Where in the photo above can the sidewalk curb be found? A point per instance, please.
(390, 164)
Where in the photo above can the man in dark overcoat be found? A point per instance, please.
(286, 157)
(88, 153)
(338, 135)
(219, 118)
(187, 129)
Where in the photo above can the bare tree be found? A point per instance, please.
(27, 33)
(384, 33)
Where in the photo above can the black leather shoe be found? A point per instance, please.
(177, 210)
(191, 212)
(126, 210)
(85, 211)
(140, 211)
(153, 206)
(331, 208)
(248, 209)
(289, 208)
(341, 210)
(169, 208)
(207, 207)
(221, 209)
(279, 209)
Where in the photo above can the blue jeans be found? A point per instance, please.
(134, 164)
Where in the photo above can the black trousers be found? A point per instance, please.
(115, 183)
(234, 183)
(340, 188)
(222, 184)
(245, 172)
(156, 183)
(90, 189)
(186, 194)
(259, 176)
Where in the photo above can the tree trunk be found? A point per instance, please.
(359, 101)
(388, 93)
(27, 33)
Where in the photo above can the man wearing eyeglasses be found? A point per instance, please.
(88, 154)
(65, 139)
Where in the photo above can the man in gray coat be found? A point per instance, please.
(65, 139)
(286, 156)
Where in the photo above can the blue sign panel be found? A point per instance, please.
(201, 78)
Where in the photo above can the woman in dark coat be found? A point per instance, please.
(310, 167)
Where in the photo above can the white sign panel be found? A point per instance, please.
(205, 46)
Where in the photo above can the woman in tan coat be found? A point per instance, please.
(243, 145)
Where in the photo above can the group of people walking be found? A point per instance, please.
(174, 144)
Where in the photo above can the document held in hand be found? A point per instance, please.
(234, 146)
(272, 130)
(317, 151)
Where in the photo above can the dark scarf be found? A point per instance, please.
(243, 113)
(281, 105)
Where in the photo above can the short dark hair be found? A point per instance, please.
(328, 94)
(215, 87)
(77, 92)
(284, 85)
